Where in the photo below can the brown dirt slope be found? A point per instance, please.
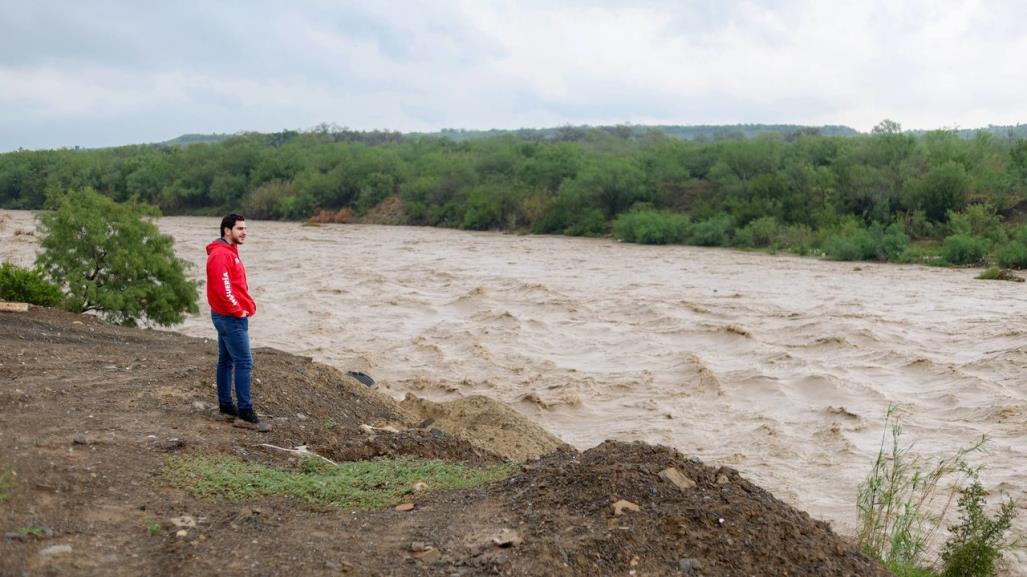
(89, 413)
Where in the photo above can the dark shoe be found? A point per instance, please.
(227, 413)
(247, 419)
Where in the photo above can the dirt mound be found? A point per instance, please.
(723, 525)
(487, 424)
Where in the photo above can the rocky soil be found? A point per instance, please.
(89, 414)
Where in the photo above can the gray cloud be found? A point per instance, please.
(104, 73)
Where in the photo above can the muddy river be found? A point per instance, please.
(782, 367)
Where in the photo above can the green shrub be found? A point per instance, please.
(762, 232)
(263, 202)
(24, 285)
(977, 541)
(1013, 254)
(798, 238)
(589, 223)
(962, 249)
(853, 242)
(978, 220)
(651, 227)
(714, 231)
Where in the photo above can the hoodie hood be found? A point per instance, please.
(222, 244)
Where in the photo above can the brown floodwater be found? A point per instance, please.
(779, 366)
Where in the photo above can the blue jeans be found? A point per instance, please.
(233, 353)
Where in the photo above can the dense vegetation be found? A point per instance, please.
(890, 195)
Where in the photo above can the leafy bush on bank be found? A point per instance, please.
(852, 241)
(962, 249)
(24, 285)
(651, 227)
(714, 231)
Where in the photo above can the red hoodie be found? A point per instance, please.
(226, 281)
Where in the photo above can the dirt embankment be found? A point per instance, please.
(89, 414)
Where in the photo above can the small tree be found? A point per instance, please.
(111, 258)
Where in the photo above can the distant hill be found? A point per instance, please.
(696, 132)
(187, 139)
(701, 133)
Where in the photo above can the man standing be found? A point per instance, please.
(230, 309)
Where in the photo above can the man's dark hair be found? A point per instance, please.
(229, 222)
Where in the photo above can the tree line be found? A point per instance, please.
(892, 195)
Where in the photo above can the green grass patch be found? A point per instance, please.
(358, 485)
(32, 531)
(6, 485)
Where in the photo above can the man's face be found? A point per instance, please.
(237, 234)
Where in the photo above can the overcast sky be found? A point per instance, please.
(93, 73)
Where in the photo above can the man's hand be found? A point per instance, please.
(244, 314)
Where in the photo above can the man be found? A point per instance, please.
(230, 308)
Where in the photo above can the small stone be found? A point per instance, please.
(200, 405)
(624, 505)
(690, 566)
(184, 521)
(722, 479)
(55, 550)
(507, 538)
(181, 533)
(429, 556)
(402, 507)
(674, 476)
(15, 536)
(172, 444)
(419, 546)
(301, 416)
(420, 487)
